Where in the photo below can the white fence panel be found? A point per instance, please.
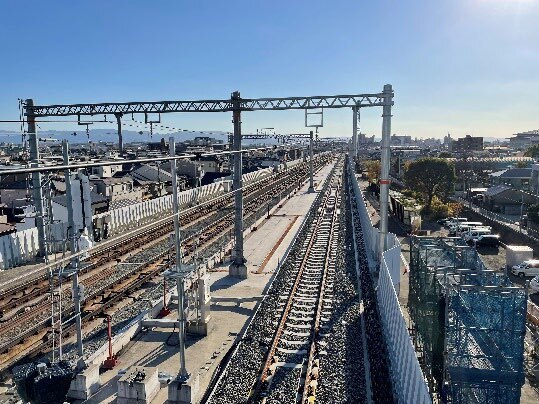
(408, 380)
(407, 376)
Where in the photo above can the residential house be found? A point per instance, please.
(155, 180)
(508, 200)
(117, 188)
(518, 178)
(107, 171)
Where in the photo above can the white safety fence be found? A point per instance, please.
(133, 216)
(21, 247)
(407, 376)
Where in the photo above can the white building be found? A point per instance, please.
(106, 171)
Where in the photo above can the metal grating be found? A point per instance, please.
(469, 323)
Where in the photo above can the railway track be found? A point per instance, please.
(277, 359)
(15, 295)
(29, 332)
(292, 359)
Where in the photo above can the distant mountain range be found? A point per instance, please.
(129, 136)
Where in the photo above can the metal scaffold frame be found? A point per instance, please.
(469, 323)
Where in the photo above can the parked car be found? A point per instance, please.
(534, 285)
(473, 234)
(453, 221)
(460, 229)
(526, 268)
(488, 240)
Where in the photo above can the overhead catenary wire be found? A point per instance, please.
(43, 169)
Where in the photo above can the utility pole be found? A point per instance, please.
(37, 191)
(311, 186)
(179, 271)
(238, 267)
(118, 116)
(521, 213)
(74, 263)
(386, 158)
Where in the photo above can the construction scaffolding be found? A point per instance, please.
(469, 323)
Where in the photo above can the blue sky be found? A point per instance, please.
(458, 66)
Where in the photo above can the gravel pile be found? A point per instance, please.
(284, 386)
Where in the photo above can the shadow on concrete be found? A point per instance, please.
(488, 250)
(107, 390)
(245, 311)
(224, 283)
(169, 347)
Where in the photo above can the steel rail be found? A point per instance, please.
(284, 316)
(110, 243)
(328, 258)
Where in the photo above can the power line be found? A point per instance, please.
(221, 133)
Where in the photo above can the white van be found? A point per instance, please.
(473, 234)
(458, 229)
(454, 221)
(526, 268)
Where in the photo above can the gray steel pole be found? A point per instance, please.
(37, 191)
(73, 246)
(239, 260)
(384, 175)
(177, 243)
(521, 213)
(311, 185)
(120, 137)
(358, 130)
(354, 132)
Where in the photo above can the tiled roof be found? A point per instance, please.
(513, 173)
(151, 173)
(94, 198)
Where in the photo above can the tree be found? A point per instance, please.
(532, 151)
(521, 164)
(473, 171)
(445, 155)
(373, 169)
(431, 177)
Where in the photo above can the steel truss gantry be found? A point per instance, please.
(234, 104)
(227, 105)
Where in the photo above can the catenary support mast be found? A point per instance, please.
(238, 267)
(386, 157)
(37, 191)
